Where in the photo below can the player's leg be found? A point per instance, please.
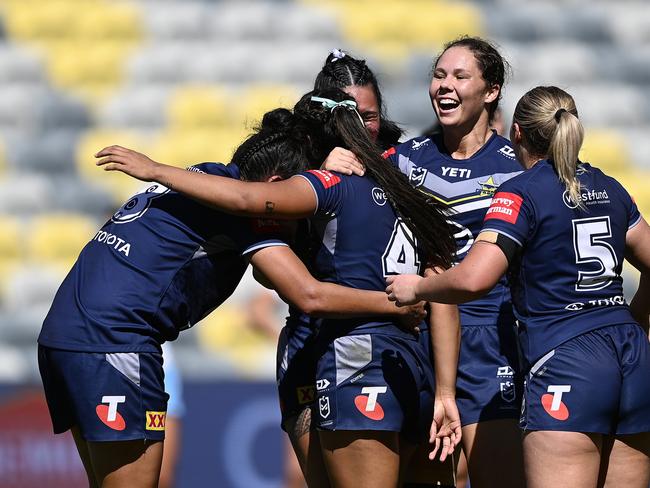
(462, 476)
(490, 444)
(306, 447)
(126, 464)
(172, 452)
(84, 454)
(361, 459)
(554, 458)
(628, 463)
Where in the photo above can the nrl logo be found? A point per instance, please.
(324, 406)
(417, 176)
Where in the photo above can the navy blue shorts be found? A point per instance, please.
(598, 382)
(490, 383)
(109, 396)
(375, 382)
(296, 369)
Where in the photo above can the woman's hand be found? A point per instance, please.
(446, 431)
(412, 316)
(343, 161)
(128, 161)
(401, 289)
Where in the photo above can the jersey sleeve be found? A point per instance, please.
(328, 187)
(510, 214)
(633, 213)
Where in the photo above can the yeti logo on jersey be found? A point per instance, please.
(138, 204)
(368, 405)
(324, 406)
(553, 404)
(508, 152)
(417, 176)
(415, 145)
(379, 196)
(109, 415)
(504, 206)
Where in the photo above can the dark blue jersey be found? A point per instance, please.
(159, 265)
(361, 239)
(567, 278)
(467, 187)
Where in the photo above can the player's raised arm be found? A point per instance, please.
(293, 198)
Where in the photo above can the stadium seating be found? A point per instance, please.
(186, 80)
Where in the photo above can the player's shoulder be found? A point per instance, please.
(218, 169)
(499, 150)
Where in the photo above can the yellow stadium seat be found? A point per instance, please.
(226, 333)
(259, 99)
(636, 183)
(11, 247)
(184, 147)
(607, 150)
(198, 107)
(120, 186)
(58, 238)
(109, 20)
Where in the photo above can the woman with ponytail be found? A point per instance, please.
(561, 230)
(374, 381)
(159, 265)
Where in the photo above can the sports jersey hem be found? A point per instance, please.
(99, 348)
(263, 245)
(499, 231)
(635, 223)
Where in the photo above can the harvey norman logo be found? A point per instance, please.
(589, 197)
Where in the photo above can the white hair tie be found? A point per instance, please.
(338, 54)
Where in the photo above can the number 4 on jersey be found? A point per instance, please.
(400, 256)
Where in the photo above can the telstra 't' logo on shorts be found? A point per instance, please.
(368, 405)
(553, 404)
(109, 414)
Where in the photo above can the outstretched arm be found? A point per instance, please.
(444, 326)
(637, 243)
(293, 282)
(471, 279)
(292, 198)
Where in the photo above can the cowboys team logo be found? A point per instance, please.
(138, 204)
(417, 176)
(488, 187)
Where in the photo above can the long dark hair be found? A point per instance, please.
(277, 147)
(342, 126)
(342, 70)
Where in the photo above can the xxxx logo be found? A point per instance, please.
(305, 394)
(155, 420)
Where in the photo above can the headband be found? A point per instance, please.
(347, 104)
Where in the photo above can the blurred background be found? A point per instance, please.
(184, 81)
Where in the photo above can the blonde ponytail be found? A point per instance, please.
(548, 119)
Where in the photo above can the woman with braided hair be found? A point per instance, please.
(158, 266)
(374, 380)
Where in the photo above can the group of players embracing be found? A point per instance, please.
(540, 371)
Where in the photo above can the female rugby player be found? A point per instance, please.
(561, 229)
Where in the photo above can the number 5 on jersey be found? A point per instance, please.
(401, 256)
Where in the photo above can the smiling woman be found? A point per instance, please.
(462, 167)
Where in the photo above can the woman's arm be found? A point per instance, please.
(637, 252)
(293, 282)
(292, 198)
(444, 327)
(471, 279)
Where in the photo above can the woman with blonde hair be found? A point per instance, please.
(562, 229)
